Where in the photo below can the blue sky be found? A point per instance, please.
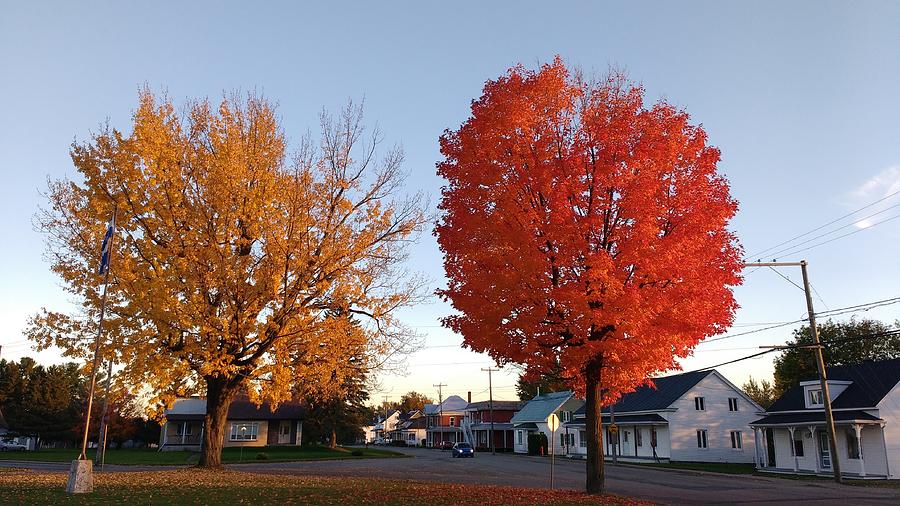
(801, 97)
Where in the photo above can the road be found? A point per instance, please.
(662, 486)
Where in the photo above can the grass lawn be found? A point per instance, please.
(195, 486)
(229, 455)
(712, 467)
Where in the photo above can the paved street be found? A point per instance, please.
(646, 483)
(668, 487)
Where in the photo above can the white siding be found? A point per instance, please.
(889, 411)
(716, 419)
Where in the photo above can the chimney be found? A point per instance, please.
(470, 397)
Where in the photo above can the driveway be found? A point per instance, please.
(668, 487)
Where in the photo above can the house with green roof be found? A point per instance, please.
(532, 419)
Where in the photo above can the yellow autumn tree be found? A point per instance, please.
(235, 266)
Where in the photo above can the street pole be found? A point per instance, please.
(100, 457)
(491, 407)
(820, 361)
(440, 411)
(614, 433)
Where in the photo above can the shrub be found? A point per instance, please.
(262, 456)
(536, 442)
(357, 453)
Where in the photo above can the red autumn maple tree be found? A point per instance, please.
(585, 230)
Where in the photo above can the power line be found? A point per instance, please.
(855, 222)
(794, 252)
(827, 224)
(829, 313)
(877, 335)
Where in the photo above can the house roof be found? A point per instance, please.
(665, 391)
(452, 404)
(241, 408)
(498, 405)
(814, 418)
(539, 408)
(647, 418)
(871, 381)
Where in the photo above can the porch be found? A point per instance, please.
(799, 444)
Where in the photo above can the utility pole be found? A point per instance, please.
(491, 406)
(820, 361)
(439, 386)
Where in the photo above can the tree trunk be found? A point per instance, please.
(333, 438)
(219, 394)
(596, 478)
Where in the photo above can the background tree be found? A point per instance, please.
(412, 401)
(849, 346)
(45, 402)
(531, 383)
(229, 256)
(582, 228)
(763, 392)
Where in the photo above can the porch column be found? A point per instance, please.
(793, 450)
(756, 447)
(165, 434)
(862, 463)
(183, 431)
(815, 447)
(887, 461)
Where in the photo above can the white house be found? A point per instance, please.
(697, 416)
(383, 428)
(410, 428)
(865, 401)
(532, 419)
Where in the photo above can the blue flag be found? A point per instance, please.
(107, 243)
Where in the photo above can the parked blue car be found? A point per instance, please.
(463, 450)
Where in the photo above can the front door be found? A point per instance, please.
(824, 451)
(770, 448)
(284, 432)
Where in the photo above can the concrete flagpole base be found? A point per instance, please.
(81, 477)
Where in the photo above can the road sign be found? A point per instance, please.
(552, 422)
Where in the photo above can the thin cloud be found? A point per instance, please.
(876, 187)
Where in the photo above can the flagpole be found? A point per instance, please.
(87, 417)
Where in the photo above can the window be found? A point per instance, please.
(183, 429)
(653, 437)
(699, 404)
(285, 430)
(582, 439)
(412, 437)
(626, 436)
(737, 442)
(452, 421)
(798, 447)
(732, 404)
(701, 439)
(566, 416)
(562, 439)
(815, 397)
(244, 431)
(519, 436)
(638, 439)
(852, 444)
